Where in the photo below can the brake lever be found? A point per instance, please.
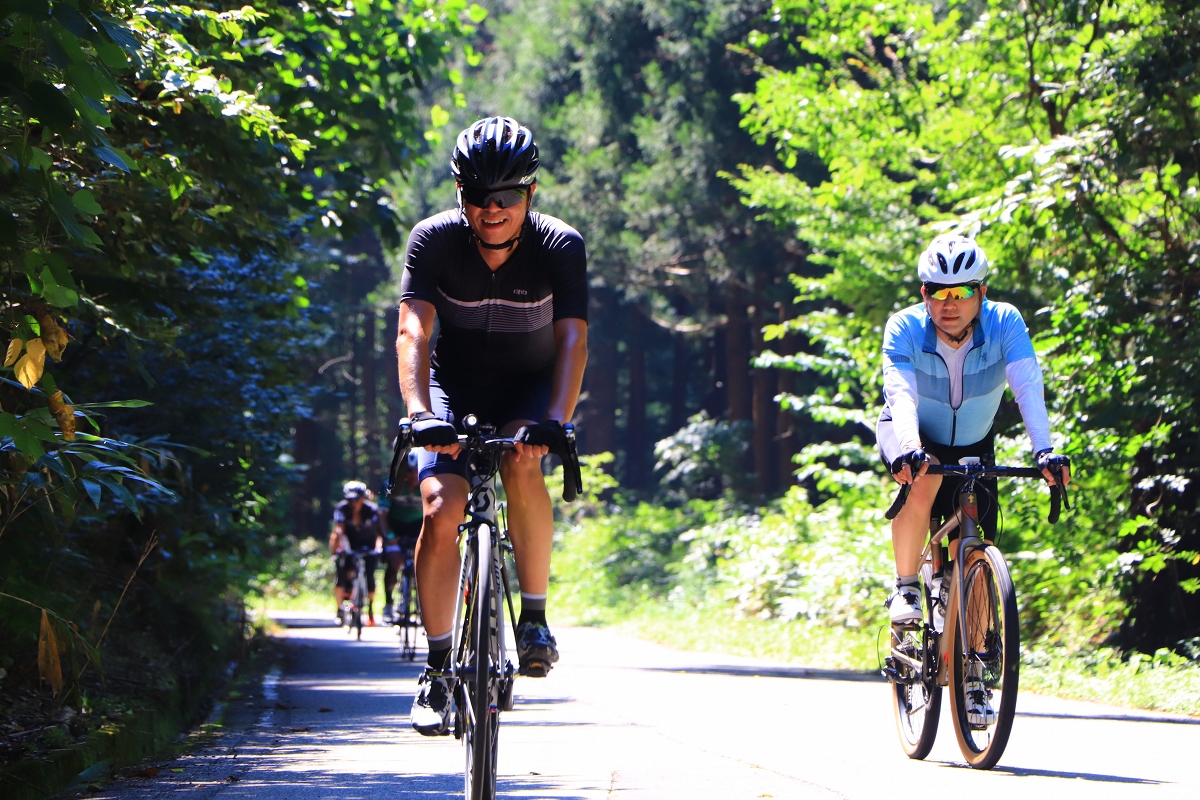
(898, 503)
(399, 452)
(572, 475)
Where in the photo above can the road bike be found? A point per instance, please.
(481, 673)
(977, 608)
(353, 605)
(406, 615)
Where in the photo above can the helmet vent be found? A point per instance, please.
(942, 263)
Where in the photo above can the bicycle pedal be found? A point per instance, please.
(535, 669)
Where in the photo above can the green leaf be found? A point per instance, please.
(8, 425)
(123, 494)
(112, 55)
(69, 17)
(477, 13)
(51, 106)
(116, 404)
(55, 294)
(439, 116)
(93, 490)
(85, 201)
(112, 157)
(64, 209)
(38, 159)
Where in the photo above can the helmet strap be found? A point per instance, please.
(474, 239)
(962, 337)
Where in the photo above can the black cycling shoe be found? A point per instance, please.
(536, 649)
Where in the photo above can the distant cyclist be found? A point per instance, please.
(404, 517)
(945, 365)
(508, 287)
(357, 525)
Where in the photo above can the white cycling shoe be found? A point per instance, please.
(980, 713)
(431, 709)
(904, 606)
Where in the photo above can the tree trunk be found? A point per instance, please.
(679, 381)
(370, 392)
(763, 382)
(352, 393)
(785, 436)
(737, 355)
(598, 406)
(391, 374)
(635, 426)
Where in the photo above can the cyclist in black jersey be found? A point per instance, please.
(357, 525)
(508, 287)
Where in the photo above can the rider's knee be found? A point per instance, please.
(444, 508)
(521, 474)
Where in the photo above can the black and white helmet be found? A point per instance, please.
(952, 259)
(495, 153)
(352, 490)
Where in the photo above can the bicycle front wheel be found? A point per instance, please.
(406, 619)
(917, 696)
(483, 717)
(984, 668)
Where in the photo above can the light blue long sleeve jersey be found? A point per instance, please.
(917, 383)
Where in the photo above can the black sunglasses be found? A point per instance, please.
(505, 198)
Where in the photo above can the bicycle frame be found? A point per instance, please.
(481, 530)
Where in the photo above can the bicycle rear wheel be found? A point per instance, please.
(917, 696)
(990, 656)
(483, 717)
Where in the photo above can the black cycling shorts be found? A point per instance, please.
(345, 571)
(943, 505)
(519, 397)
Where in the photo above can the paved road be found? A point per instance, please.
(622, 718)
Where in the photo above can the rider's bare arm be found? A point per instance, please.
(412, 353)
(570, 338)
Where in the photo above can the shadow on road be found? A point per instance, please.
(1115, 717)
(1022, 772)
(808, 673)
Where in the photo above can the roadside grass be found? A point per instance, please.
(1165, 682)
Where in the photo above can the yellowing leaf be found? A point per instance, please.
(49, 665)
(53, 337)
(64, 413)
(14, 350)
(31, 366)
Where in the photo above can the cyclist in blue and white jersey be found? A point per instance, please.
(946, 362)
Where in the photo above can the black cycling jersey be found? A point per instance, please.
(502, 322)
(359, 536)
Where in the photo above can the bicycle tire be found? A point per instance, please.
(917, 697)
(991, 620)
(483, 719)
(408, 630)
(357, 601)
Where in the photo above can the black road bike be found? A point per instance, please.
(969, 639)
(482, 673)
(407, 616)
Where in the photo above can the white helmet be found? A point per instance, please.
(353, 490)
(952, 259)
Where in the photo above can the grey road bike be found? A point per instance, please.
(353, 605)
(482, 673)
(969, 639)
